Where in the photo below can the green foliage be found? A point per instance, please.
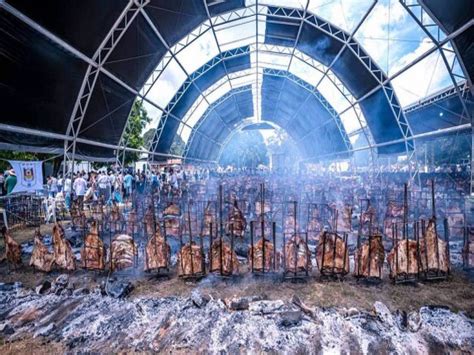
(133, 137)
(246, 148)
(177, 148)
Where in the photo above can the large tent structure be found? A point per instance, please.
(206, 69)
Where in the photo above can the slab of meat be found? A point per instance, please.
(230, 263)
(371, 260)
(63, 256)
(41, 258)
(12, 249)
(172, 226)
(98, 213)
(123, 252)
(258, 257)
(191, 266)
(406, 252)
(116, 218)
(394, 210)
(149, 222)
(368, 217)
(209, 217)
(344, 219)
(93, 251)
(237, 219)
(78, 216)
(172, 210)
(315, 230)
(289, 225)
(132, 223)
(332, 254)
(157, 253)
(431, 246)
(297, 254)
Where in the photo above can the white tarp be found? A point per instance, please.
(29, 175)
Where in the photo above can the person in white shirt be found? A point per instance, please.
(103, 183)
(80, 188)
(67, 192)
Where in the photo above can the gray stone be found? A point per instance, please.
(290, 318)
(45, 331)
(7, 329)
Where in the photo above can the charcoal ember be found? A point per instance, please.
(433, 251)
(191, 260)
(118, 289)
(63, 256)
(123, 251)
(93, 251)
(257, 257)
(290, 318)
(332, 254)
(41, 259)
(236, 221)
(229, 262)
(297, 255)
(371, 258)
(157, 253)
(172, 226)
(12, 249)
(403, 258)
(238, 304)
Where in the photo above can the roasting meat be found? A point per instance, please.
(258, 257)
(230, 263)
(290, 225)
(93, 251)
(332, 254)
(297, 254)
(123, 252)
(157, 253)
(172, 226)
(41, 258)
(209, 217)
(368, 218)
(394, 210)
(172, 210)
(191, 260)
(149, 221)
(431, 246)
(343, 223)
(371, 260)
(12, 249)
(237, 220)
(78, 216)
(403, 259)
(116, 218)
(63, 256)
(132, 223)
(97, 213)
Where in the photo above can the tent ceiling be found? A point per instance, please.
(41, 76)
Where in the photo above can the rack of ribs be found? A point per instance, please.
(191, 261)
(122, 252)
(403, 259)
(332, 254)
(297, 255)
(237, 220)
(369, 258)
(228, 259)
(157, 253)
(63, 256)
(93, 251)
(12, 248)
(41, 259)
(255, 257)
(433, 251)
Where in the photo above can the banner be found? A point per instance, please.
(29, 175)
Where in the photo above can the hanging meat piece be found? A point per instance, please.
(191, 260)
(230, 263)
(209, 217)
(93, 251)
(77, 215)
(297, 255)
(63, 256)
(116, 218)
(12, 248)
(368, 218)
(41, 258)
(123, 252)
(433, 251)
(157, 253)
(172, 210)
(237, 220)
(332, 254)
(172, 226)
(149, 221)
(343, 223)
(132, 223)
(289, 225)
(257, 260)
(403, 259)
(394, 210)
(371, 260)
(97, 213)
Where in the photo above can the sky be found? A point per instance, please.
(388, 34)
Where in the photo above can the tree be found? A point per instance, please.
(177, 148)
(148, 137)
(133, 137)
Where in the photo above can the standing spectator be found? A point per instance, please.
(103, 184)
(127, 184)
(80, 188)
(53, 186)
(67, 192)
(60, 183)
(10, 181)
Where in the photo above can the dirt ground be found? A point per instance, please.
(457, 292)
